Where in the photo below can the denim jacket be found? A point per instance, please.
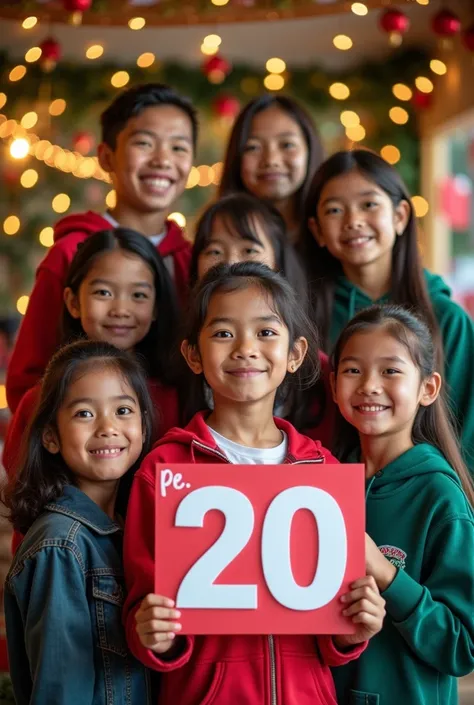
(63, 610)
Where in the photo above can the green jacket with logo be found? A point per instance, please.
(420, 518)
(457, 333)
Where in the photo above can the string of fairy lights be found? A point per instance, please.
(23, 143)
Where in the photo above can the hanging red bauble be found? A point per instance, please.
(421, 100)
(216, 68)
(76, 8)
(446, 24)
(468, 38)
(83, 142)
(50, 53)
(396, 24)
(226, 106)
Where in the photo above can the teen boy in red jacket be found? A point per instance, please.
(149, 136)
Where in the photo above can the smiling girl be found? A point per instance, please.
(273, 152)
(419, 508)
(247, 336)
(361, 247)
(64, 591)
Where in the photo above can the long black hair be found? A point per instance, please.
(240, 212)
(156, 346)
(42, 475)
(231, 179)
(408, 287)
(226, 278)
(432, 423)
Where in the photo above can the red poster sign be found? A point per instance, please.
(247, 549)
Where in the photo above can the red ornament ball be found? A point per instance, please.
(216, 68)
(422, 101)
(50, 53)
(77, 5)
(468, 38)
(50, 49)
(83, 142)
(394, 21)
(226, 106)
(446, 24)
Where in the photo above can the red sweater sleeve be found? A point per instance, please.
(38, 336)
(330, 654)
(139, 563)
(16, 430)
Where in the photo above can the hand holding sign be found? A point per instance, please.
(292, 542)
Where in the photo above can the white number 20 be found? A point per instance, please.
(197, 589)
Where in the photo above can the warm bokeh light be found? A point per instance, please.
(193, 178)
(178, 218)
(217, 168)
(219, 3)
(275, 65)
(11, 225)
(398, 115)
(212, 40)
(349, 118)
(22, 304)
(29, 178)
(339, 91)
(33, 54)
(3, 99)
(342, 42)
(146, 60)
(424, 84)
(29, 22)
(137, 23)
(420, 206)
(29, 120)
(57, 107)
(120, 79)
(209, 51)
(60, 203)
(94, 51)
(438, 67)
(274, 82)
(206, 175)
(358, 8)
(111, 199)
(46, 237)
(19, 148)
(356, 133)
(423, 2)
(17, 73)
(390, 153)
(3, 397)
(402, 92)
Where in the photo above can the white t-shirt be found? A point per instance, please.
(243, 455)
(154, 239)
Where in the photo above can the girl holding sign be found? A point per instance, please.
(419, 511)
(248, 336)
(242, 228)
(64, 592)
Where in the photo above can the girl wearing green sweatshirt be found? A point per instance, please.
(420, 521)
(361, 248)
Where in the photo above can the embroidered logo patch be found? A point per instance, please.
(395, 555)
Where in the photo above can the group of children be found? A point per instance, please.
(299, 327)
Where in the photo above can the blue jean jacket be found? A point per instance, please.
(63, 607)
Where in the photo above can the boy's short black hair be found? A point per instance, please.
(134, 100)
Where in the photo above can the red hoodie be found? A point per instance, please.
(39, 332)
(292, 670)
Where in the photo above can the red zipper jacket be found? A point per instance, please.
(241, 669)
(39, 332)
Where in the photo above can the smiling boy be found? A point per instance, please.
(149, 136)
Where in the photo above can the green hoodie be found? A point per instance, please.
(457, 331)
(419, 517)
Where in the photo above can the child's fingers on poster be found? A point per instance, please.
(154, 600)
(144, 615)
(156, 626)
